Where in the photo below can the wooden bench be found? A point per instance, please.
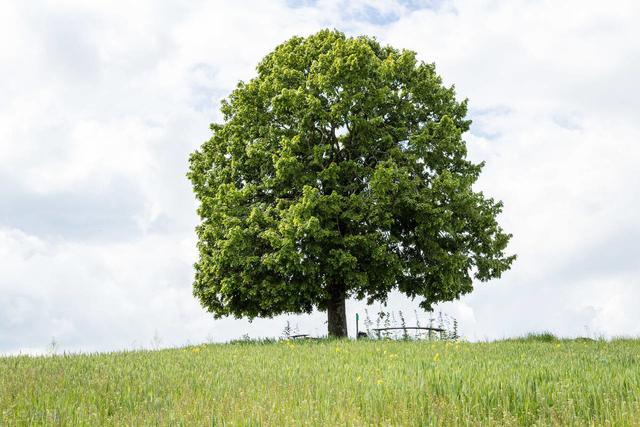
(406, 328)
(400, 328)
(294, 337)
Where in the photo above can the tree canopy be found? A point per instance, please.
(340, 171)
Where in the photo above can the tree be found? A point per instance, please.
(340, 171)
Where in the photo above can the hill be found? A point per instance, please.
(514, 382)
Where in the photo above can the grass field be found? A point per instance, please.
(518, 382)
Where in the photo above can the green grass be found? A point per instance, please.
(515, 382)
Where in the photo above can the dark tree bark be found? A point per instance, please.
(336, 312)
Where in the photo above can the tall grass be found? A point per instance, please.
(519, 382)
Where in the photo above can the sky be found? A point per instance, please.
(102, 102)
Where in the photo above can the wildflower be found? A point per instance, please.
(337, 349)
(379, 382)
(359, 379)
(195, 350)
(436, 357)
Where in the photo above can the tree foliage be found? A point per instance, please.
(340, 169)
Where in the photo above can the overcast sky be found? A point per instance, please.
(102, 102)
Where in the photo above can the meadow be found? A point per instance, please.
(318, 383)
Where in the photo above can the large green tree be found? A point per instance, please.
(340, 171)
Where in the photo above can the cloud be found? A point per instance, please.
(103, 102)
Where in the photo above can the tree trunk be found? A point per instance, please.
(336, 312)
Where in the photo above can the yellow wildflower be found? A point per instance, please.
(436, 357)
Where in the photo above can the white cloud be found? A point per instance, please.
(102, 102)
